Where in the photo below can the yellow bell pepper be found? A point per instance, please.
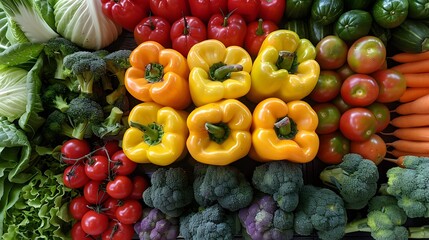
(219, 133)
(218, 72)
(156, 134)
(284, 68)
(284, 131)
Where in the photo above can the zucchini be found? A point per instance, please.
(318, 31)
(390, 13)
(297, 9)
(383, 33)
(299, 26)
(411, 36)
(418, 9)
(326, 11)
(353, 24)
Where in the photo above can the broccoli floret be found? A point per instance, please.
(211, 223)
(56, 124)
(155, 225)
(170, 191)
(111, 126)
(56, 49)
(221, 184)
(282, 180)
(83, 113)
(117, 63)
(86, 68)
(263, 219)
(355, 179)
(320, 210)
(55, 96)
(410, 185)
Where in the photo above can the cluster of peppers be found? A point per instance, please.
(193, 103)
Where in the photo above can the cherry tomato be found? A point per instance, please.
(110, 206)
(153, 28)
(121, 165)
(77, 232)
(329, 117)
(139, 185)
(373, 149)
(97, 168)
(392, 85)
(74, 150)
(366, 55)
(94, 223)
(78, 206)
(74, 176)
(129, 212)
(327, 87)
(120, 187)
(331, 52)
(359, 90)
(118, 231)
(358, 124)
(333, 147)
(94, 192)
(382, 115)
(107, 149)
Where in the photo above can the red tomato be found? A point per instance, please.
(74, 176)
(341, 104)
(94, 223)
(186, 32)
(74, 150)
(382, 115)
(97, 168)
(392, 85)
(373, 149)
(171, 10)
(359, 90)
(358, 124)
(110, 206)
(272, 10)
(331, 52)
(366, 55)
(121, 165)
(345, 71)
(107, 149)
(94, 192)
(327, 87)
(77, 232)
(129, 212)
(256, 33)
(118, 231)
(204, 9)
(333, 147)
(230, 30)
(78, 206)
(248, 9)
(124, 12)
(139, 185)
(153, 28)
(120, 187)
(329, 117)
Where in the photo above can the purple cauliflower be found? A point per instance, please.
(155, 225)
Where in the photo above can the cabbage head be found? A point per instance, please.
(13, 92)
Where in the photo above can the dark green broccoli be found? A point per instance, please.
(55, 96)
(410, 185)
(385, 220)
(117, 63)
(86, 68)
(355, 179)
(211, 223)
(57, 123)
(221, 184)
(83, 112)
(320, 210)
(282, 180)
(111, 126)
(170, 191)
(56, 49)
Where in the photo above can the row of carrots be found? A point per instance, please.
(412, 112)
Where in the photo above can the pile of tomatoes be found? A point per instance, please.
(109, 199)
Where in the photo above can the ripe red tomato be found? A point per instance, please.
(366, 55)
(170, 10)
(107, 148)
(129, 212)
(94, 192)
(74, 176)
(331, 52)
(118, 231)
(153, 28)
(345, 71)
(121, 165)
(139, 185)
(110, 206)
(186, 32)
(78, 206)
(333, 147)
(248, 9)
(373, 149)
(392, 85)
(97, 168)
(359, 90)
(329, 117)
(382, 115)
(327, 87)
(77, 232)
(120, 187)
(358, 124)
(94, 223)
(74, 150)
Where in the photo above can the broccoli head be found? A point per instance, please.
(155, 225)
(263, 219)
(410, 185)
(221, 184)
(282, 180)
(56, 123)
(83, 113)
(117, 63)
(321, 210)
(56, 49)
(111, 126)
(55, 96)
(355, 178)
(170, 191)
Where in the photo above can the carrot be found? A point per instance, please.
(412, 120)
(413, 134)
(396, 153)
(413, 67)
(404, 57)
(410, 146)
(420, 105)
(412, 93)
(417, 79)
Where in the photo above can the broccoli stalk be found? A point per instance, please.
(55, 96)
(155, 225)
(419, 232)
(117, 63)
(56, 124)
(111, 126)
(56, 49)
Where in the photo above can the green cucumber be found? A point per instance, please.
(390, 13)
(411, 36)
(298, 26)
(418, 9)
(326, 11)
(353, 24)
(318, 31)
(297, 9)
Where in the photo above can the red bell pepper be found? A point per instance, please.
(204, 9)
(256, 33)
(248, 9)
(272, 10)
(153, 28)
(126, 13)
(171, 10)
(186, 32)
(229, 29)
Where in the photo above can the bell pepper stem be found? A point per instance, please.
(152, 132)
(260, 29)
(285, 60)
(217, 132)
(285, 128)
(220, 71)
(154, 72)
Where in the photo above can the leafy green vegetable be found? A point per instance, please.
(4, 42)
(20, 53)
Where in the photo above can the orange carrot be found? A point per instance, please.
(410, 146)
(413, 134)
(412, 120)
(404, 57)
(412, 93)
(420, 106)
(413, 67)
(396, 153)
(417, 79)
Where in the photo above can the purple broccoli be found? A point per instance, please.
(155, 225)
